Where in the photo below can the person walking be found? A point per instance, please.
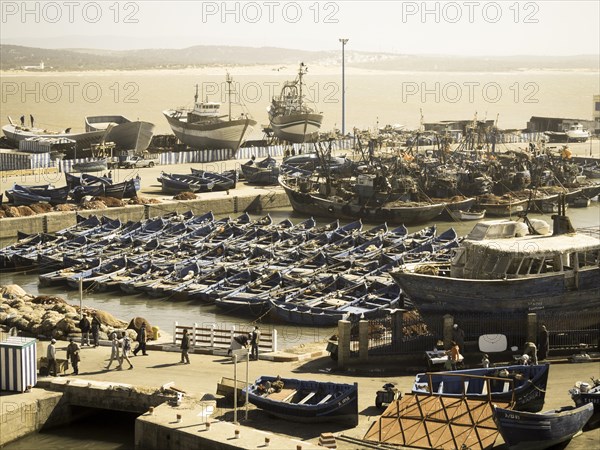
(85, 326)
(51, 357)
(185, 347)
(95, 327)
(125, 349)
(254, 341)
(22, 121)
(141, 338)
(73, 355)
(115, 351)
(544, 342)
(31, 119)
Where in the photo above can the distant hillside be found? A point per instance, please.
(80, 59)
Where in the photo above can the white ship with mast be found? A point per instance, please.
(204, 127)
(291, 119)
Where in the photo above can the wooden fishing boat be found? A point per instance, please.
(315, 203)
(15, 134)
(261, 172)
(583, 394)
(176, 183)
(306, 401)
(223, 181)
(530, 431)
(467, 215)
(501, 207)
(524, 386)
(126, 134)
(503, 273)
(95, 165)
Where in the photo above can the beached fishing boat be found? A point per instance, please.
(176, 183)
(94, 165)
(306, 401)
(261, 172)
(223, 181)
(523, 386)
(126, 134)
(500, 272)
(290, 118)
(205, 126)
(584, 393)
(530, 431)
(15, 134)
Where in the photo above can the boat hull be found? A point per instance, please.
(306, 203)
(549, 292)
(528, 431)
(16, 134)
(215, 135)
(126, 135)
(341, 407)
(297, 128)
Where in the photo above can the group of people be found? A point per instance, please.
(531, 353)
(23, 120)
(243, 340)
(86, 326)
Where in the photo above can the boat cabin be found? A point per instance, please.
(494, 251)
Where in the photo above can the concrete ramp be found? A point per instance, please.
(433, 421)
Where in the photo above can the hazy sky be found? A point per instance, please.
(462, 27)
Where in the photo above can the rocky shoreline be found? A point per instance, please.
(51, 316)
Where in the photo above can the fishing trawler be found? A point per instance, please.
(126, 134)
(204, 127)
(291, 119)
(499, 268)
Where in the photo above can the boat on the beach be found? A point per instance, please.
(126, 134)
(223, 181)
(28, 195)
(264, 172)
(306, 401)
(206, 127)
(175, 183)
(502, 269)
(523, 386)
(290, 118)
(583, 394)
(531, 431)
(15, 134)
(575, 133)
(93, 165)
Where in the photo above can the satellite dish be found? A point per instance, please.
(492, 343)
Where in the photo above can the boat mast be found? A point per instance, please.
(196, 96)
(301, 72)
(229, 80)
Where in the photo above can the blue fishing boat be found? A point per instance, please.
(524, 386)
(265, 171)
(306, 401)
(176, 183)
(583, 394)
(531, 431)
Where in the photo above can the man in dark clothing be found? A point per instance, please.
(22, 121)
(185, 346)
(31, 119)
(84, 326)
(254, 341)
(95, 330)
(141, 338)
(73, 355)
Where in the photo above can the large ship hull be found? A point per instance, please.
(213, 135)
(16, 134)
(434, 295)
(314, 205)
(126, 135)
(297, 128)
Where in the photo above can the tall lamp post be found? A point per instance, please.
(344, 42)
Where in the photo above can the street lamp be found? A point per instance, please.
(344, 42)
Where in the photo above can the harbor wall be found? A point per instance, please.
(27, 413)
(227, 204)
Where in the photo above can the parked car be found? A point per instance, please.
(134, 162)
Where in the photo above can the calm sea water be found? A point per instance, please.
(58, 101)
